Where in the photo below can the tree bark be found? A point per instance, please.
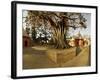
(59, 33)
(59, 39)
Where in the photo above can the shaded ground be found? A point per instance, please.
(37, 57)
(34, 58)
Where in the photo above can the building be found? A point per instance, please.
(79, 40)
(72, 42)
(27, 42)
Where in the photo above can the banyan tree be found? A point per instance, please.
(58, 22)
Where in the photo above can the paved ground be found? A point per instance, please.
(36, 57)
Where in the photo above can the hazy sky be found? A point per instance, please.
(72, 32)
(83, 31)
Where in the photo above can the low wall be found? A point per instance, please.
(61, 56)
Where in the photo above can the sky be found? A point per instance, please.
(83, 31)
(72, 32)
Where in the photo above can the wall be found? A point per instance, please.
(5, 40)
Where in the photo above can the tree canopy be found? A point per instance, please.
(58, 23)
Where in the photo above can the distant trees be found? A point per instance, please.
(27, 30)
(57, 22)
(33, 34)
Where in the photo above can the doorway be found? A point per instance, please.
(26, 43)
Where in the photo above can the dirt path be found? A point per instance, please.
(33, 59)
(81, 60)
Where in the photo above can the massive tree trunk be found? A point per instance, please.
(59, 38)
(59, 33)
